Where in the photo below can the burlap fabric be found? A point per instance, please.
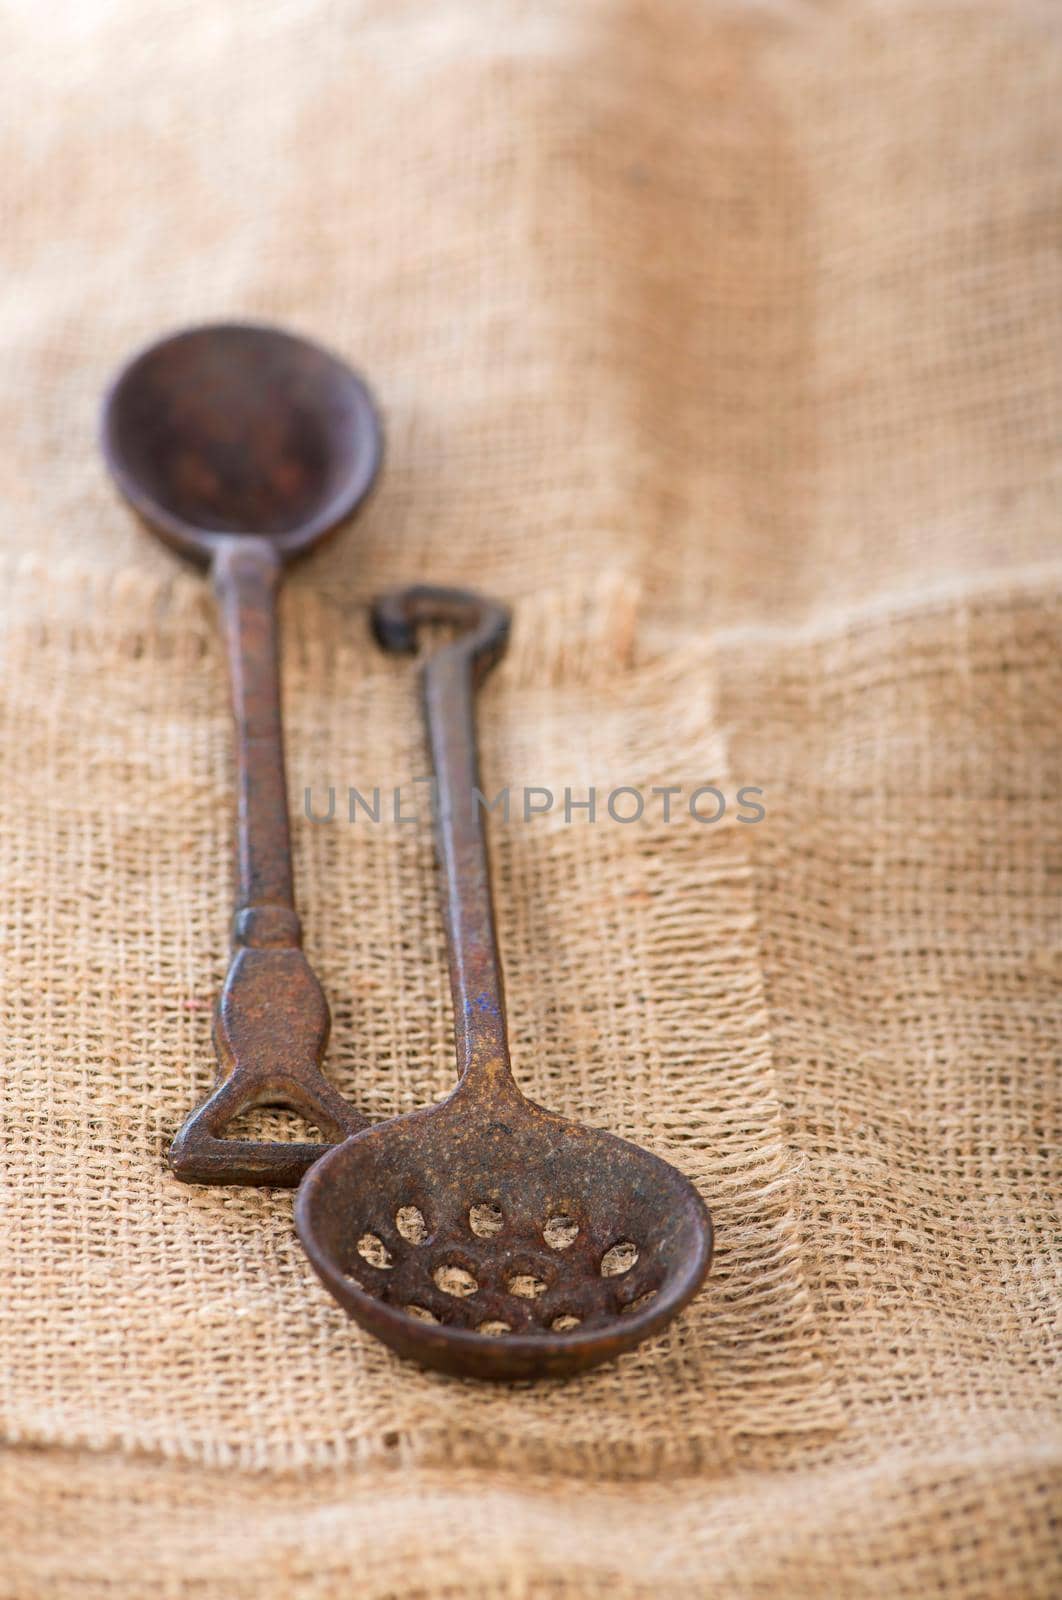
(724, 341)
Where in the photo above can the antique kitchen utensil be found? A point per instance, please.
(242, 446)
(487, 1236)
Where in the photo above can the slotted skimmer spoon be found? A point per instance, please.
(242, 446)
(486, 1236)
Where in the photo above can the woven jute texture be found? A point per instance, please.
(724, 342)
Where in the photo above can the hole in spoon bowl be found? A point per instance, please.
(372, 1249)
(409, 1220)
(560, 1231)
(620, 1258)
(639, 1304)
(486, 1219)
(455, 1280)
(526, 1286)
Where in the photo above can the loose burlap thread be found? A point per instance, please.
(723, 342)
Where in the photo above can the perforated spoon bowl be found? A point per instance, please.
(487, 1236)
(242, 446)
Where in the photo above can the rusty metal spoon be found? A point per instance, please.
(485, 1235)
(241, 446)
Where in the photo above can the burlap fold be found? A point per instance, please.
(635, 995)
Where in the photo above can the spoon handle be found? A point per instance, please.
(246, 578)
(272, 1021)
(451, 675)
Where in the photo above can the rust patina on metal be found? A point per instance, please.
(241, 447)
(487, 1236)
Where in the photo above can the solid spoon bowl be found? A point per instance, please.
(238, 428)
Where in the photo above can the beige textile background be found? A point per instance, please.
(724, 340)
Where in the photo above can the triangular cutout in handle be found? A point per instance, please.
(200, 1154)
(270, 1032)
